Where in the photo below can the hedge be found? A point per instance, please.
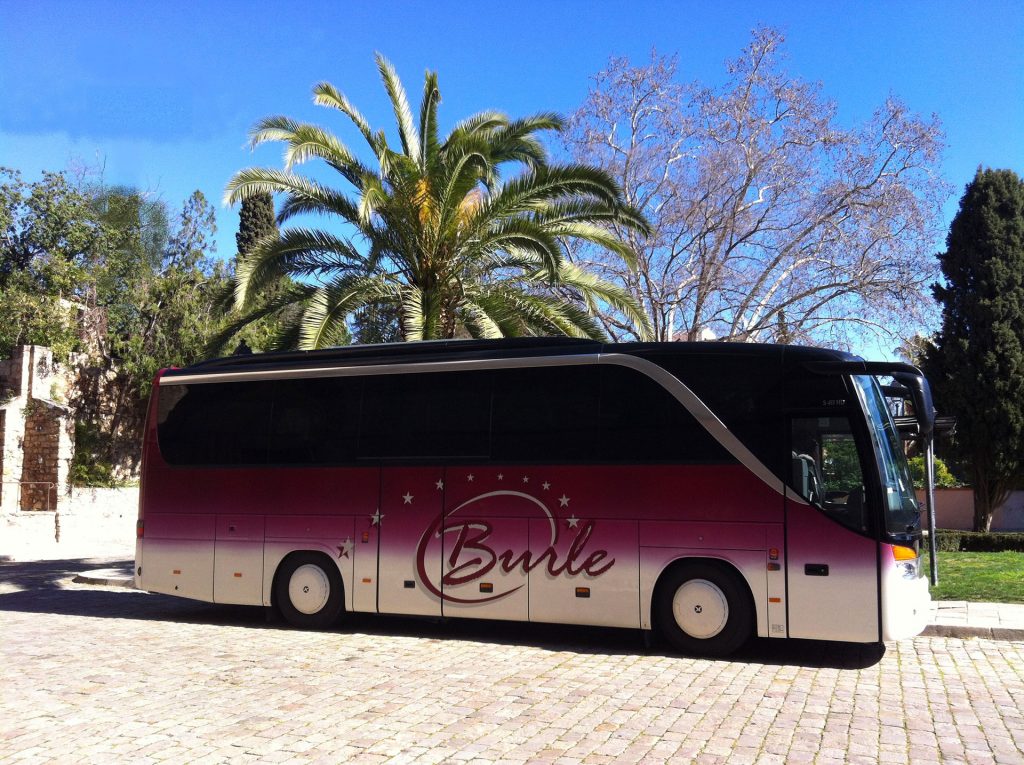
(952, 540)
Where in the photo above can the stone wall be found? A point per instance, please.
(47, 449)
(36, 432)
(106, 400)
(14, 375)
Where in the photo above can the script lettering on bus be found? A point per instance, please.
(472, 557)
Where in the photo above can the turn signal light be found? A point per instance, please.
(140, 529)
(899, 552)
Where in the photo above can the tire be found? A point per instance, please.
(308, 591)
(704, 609)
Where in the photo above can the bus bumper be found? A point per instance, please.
(906, 604)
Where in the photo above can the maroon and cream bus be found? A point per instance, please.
(712, 491)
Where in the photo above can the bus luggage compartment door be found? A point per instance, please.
(409, 559)
(485, 538)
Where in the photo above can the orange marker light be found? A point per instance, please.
(774, 600)
(140, 529)
(899, 552)
(773, 554)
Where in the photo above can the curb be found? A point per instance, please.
(107, 577)
(964, 631)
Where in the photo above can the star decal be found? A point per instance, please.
(563, 501)
(470, 477)
(406, 498)
(526, 479)
(439, 484)
(545, 486)
(501, 476)
(344, 548)
(376, 518)
(572, 521)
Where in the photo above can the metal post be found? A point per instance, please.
(929, 472)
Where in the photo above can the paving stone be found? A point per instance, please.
(107, 674)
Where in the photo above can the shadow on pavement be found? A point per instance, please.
(44, 587)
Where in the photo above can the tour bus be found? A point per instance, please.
(711, 491)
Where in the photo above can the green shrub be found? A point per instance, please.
(944, 478)
(953, 540)
(90, 467)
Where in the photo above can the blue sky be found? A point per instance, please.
(163, 93)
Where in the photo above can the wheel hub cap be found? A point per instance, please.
(700, 608)
(309, 589)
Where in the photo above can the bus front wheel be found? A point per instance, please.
(704, 609)
(308, 590)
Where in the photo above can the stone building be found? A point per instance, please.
(36, 431)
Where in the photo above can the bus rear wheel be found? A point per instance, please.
(308, 590)
(704, 609)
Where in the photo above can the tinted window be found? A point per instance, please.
(745, 392)
(546, 414)
(315, 421)
(215, 424)
(643, 422)
(425, 416)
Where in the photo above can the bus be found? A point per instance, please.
(709, 491)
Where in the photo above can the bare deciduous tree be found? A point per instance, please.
(771, 222)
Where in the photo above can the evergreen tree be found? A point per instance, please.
(255, 221)
(976, 364)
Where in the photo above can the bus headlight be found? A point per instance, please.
(907, 561)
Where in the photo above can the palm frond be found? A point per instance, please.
(293, 295)
(428, 121)
(588, 232)
(323, 322)
(400, 103)
(480, 123)
(593, 289)
(523, 235)
(534, 190)
(299, 252)
(325, 94)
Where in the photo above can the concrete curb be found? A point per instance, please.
(965, 631)
(105, 577)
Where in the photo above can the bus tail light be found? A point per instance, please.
(140, 529)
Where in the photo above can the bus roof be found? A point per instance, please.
(444, 350)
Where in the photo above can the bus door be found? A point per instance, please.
(832, 557)
(486, 542)
(407, 526)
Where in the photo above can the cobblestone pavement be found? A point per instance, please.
(93, 674)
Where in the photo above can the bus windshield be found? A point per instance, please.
(902, 513)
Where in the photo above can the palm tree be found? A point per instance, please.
(439, 241)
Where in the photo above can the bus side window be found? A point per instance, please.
(546, 414)
(426, 416)
(315, 421)
(826, 469)
(643, 422)
(216, 424)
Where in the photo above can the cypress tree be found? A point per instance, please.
(255, 220)
(976, 363)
